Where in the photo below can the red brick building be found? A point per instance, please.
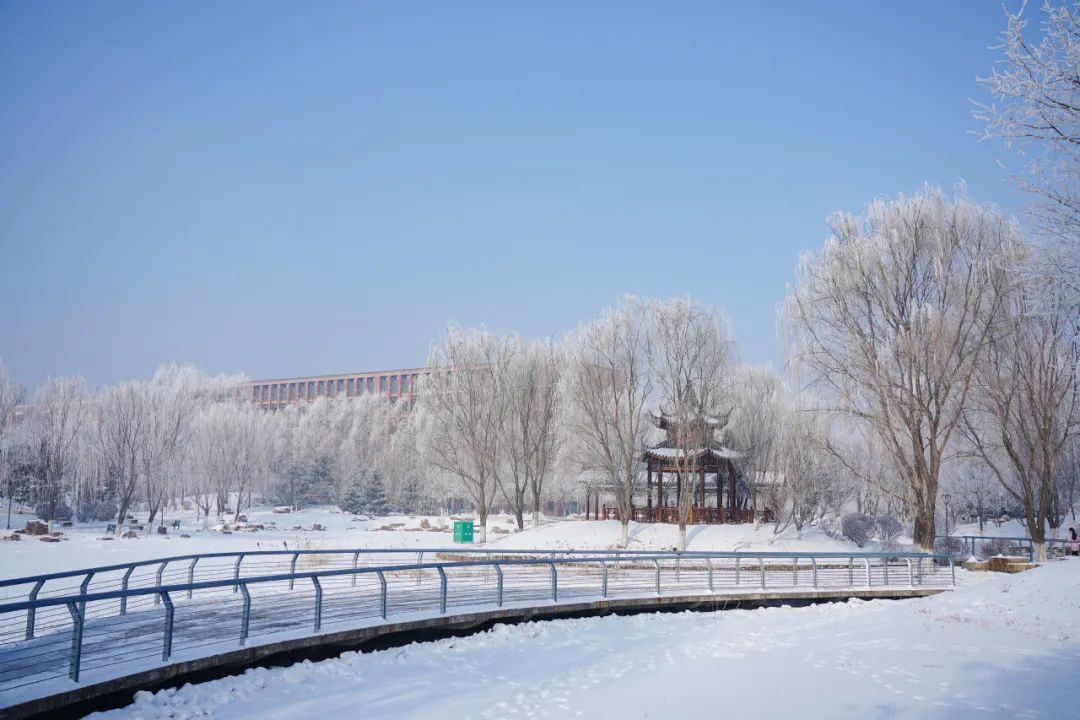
(395, 384)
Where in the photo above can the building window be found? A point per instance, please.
(371, 384)
(273, 393)
(404, 383)
(340, 386)
(265, 393)
(382, 383)
(349, 388)
(255, 394)
(393, 384)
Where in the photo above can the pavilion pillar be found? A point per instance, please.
(703, 488)
(731, 488)
(588, 504)
(648, 489)
(659, 496)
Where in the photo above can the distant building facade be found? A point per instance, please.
(394, 384)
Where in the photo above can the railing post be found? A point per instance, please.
(236, 571)
(382, 593)
(813, 562)
(885, 562)
(355, 559)
(292, 568)
(318, 602)
(910, 573)
(952, 567)
(554, 582)
(166, 646)
(737, 570)
(31, 613)
(657, 564)
(795, 571)
(157, 582)
(761, 567)
(191, 575)
(442, 590)
(246, 620)
(603, 589)
(708, 561)
(868, 579)
(499, 589)
(123, 588)
(76, 640)
(82, 591)
(851, 572)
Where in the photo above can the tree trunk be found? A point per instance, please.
(519, 516)
(483, 526)
(1039, 552)
(924, 527)
(536, 518)
(624, 538)
(682, 537)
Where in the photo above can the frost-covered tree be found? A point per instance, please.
(465, 403)
(531, 433)
(1036, 110)
(1025, 406)
(808, 470)
(890, 320)
(171, 401)
(231, 446)
(121, 417)
(760, 403)
(12, 396)
(691, 357)
(608, 387)
(57, 419)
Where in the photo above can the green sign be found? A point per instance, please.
(463, 531)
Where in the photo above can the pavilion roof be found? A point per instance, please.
(667, 450)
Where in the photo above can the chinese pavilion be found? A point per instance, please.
(726, 499)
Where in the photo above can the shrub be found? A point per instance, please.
(63, 512)
(1000, 546)
(857, 528)
(888, 529)
(951, 546)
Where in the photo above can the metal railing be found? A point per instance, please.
(982, 546)
(108, 631)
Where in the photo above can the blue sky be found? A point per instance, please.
(291, 188)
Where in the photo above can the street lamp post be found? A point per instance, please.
(946, 497)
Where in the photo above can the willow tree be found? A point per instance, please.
(691, 357)
(889, 322)
(1026, 404)
(607, 386)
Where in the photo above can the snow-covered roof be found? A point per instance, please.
(661, 452)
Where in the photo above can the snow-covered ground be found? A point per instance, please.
(1001, 646)
(86, 546)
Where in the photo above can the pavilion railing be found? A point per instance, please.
(98, 632)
